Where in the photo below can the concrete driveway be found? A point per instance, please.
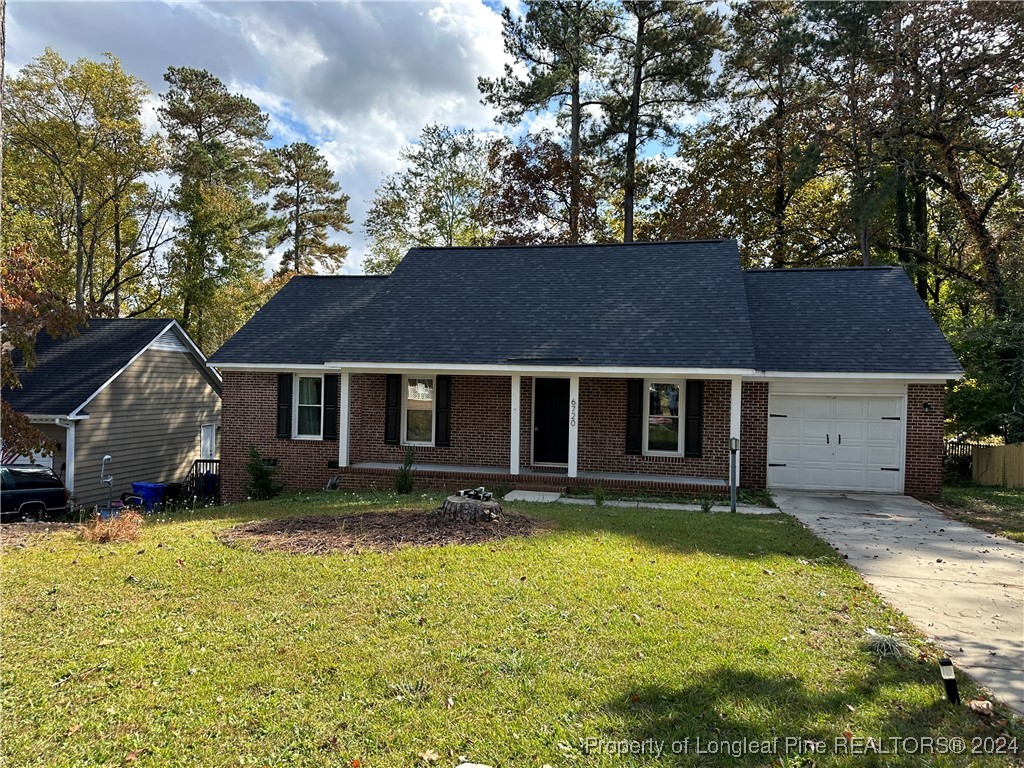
(962, 587)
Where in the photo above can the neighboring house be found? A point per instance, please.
(625, 366)
(137, 389)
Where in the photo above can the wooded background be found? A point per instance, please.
(816, 134)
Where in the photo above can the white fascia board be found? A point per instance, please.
(923, 378)
(273, 367)
(46, 418)
(539, 370)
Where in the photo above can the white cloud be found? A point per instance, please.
(357, 79)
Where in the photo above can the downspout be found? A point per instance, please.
(69, 458)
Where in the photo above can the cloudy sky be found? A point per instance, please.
(357, 79)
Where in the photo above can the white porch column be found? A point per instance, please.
(734, 421)
(69, 458)
(345, 380)
(574, 419)
(513, 432)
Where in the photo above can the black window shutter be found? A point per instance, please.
(634, 416)
(692, 436)
(393, 410)
(330, 406)
(443, 411)
(284, 405)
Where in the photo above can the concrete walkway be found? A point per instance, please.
(962, 587)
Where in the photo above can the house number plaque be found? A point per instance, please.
(572, 412)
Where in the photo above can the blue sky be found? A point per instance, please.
(357, 79)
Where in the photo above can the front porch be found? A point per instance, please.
(377, 475)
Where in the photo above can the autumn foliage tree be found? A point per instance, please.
(28, 308)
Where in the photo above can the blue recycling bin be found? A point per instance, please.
(152, 493)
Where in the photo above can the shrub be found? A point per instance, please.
(126, 526)
(706, 503)
(262, 481)
(403, 479)
(598, 496)
(887, 646)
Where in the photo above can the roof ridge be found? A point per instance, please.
(873, 267)
(538, 246)
(342, 277)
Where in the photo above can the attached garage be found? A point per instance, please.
(844, 441)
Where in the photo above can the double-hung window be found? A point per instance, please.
(309, 407)
(662, 432)
(418, 412)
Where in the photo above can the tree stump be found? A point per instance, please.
(463, 509)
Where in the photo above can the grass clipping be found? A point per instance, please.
(126, 526)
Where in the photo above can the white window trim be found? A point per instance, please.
(681, 385)
(295, 407)
(405, 409)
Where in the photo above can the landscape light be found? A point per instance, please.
(949, 680)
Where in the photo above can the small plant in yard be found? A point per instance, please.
(887, 646)
(599, 495)
(707, 503)
(262, 481)
(403, 479)
(126, 526)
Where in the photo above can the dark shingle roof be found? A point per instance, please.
(858, 319)
(69, 370)
(300, 324)
(643, 304)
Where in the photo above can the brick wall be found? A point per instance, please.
(602, 433)
(480, 429)
(249, 418)
(754, 435)
(925, 430)
(481, 410)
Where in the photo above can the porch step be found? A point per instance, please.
(540, 496)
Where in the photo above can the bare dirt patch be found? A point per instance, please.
(373, 532)
(17, 535)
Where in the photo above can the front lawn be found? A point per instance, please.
(993, 509)
(619, 624)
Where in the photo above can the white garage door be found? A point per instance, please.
(835, 442)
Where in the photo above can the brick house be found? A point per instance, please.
(620, 365)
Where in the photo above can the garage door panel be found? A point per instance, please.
(850, 408)
(863, 443)
(883, 431)
(882, 407)
(880, 481)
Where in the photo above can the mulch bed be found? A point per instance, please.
(17, 535)
(372, 532)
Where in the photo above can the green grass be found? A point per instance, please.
(992, 509)
(756, 496)
(620, 624)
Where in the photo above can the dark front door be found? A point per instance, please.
(551, 421)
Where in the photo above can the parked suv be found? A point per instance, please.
(33, 491)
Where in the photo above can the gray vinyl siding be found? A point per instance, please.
(148, 419)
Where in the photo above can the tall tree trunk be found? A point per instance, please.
(633, 128)
(575, 182)
(117, 259)
(779, 196)
(79, 250)
(295, 228)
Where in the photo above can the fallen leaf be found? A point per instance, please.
(982, 707)
(74, 729)
(180, 563)
(449, 703)
(428, 756)
(636, 618)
